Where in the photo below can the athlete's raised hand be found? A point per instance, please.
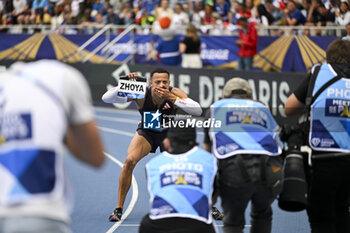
(164, 94)
(132, 75)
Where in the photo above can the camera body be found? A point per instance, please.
(294, 195)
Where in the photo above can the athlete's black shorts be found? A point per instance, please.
(153, 137)
(174, 225)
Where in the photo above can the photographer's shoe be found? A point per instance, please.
(116, 215)
(217, 215)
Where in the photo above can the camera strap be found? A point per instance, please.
(324, 87)
(310, 99)
(313, 76)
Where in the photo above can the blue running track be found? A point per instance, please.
(95, 191)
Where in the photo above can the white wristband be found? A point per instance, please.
(188, 105)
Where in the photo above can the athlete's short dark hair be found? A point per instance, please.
(161, 71)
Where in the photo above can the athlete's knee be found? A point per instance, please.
(130, 163)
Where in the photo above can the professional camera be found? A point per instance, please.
(294, 194)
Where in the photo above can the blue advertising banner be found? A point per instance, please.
(218, 50)
(202, 85)
(285, 53)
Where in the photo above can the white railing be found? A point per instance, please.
(115, 40)
(106, 30)
(210, 30)
(108, 53)
(302, 30)
(106, 45)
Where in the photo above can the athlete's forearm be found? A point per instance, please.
(188, 105)
(111, 96)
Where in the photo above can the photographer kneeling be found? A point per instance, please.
(325, 96)
(248, 149)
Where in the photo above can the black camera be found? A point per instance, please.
(294, 194)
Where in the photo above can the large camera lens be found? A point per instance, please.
(294, 194)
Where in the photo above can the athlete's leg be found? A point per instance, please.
(139, 147)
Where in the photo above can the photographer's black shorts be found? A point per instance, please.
(174, 225)
(154, 138)
(231, 174)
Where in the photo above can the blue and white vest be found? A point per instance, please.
(31, 150)
(330, 116)
(35, 112)
(247, 127)
(181, 185)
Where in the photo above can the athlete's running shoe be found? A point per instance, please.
(116, 215)
(217, 215)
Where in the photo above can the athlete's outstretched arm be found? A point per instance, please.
(111, 96)
(181, 100)
(189, 105)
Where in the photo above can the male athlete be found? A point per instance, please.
(160, 98)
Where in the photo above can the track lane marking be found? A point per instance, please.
(134, 197)
(117, 119)
(116, 131)
(133, 112)
(135, 188)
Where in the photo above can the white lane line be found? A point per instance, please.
(116, 131)
(115, 110)
(117, 119)
(135, 194)
(129, 225)
(135, 189)
(125, 133)
(138, 225)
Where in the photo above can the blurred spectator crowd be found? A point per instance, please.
(203, 14)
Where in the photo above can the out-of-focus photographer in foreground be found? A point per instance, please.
(248, 149)
(327, 103)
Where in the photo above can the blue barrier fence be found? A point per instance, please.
(285, 53)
